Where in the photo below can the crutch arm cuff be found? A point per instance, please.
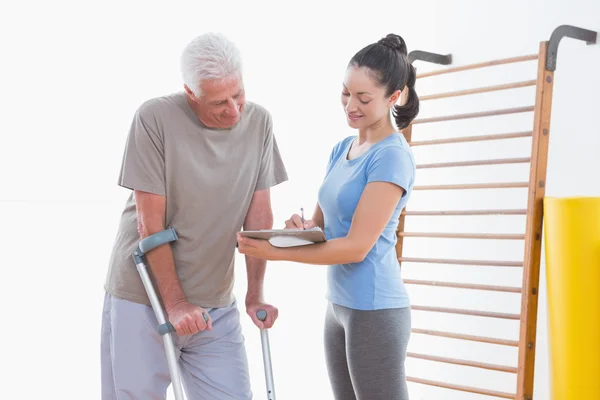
(156, 240)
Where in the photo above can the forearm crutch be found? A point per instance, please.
(266, 350)
(164, 327)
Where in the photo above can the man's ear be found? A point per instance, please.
(190, 94)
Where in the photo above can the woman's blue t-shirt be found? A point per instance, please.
(375, 282)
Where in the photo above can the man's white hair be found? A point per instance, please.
(210, 56)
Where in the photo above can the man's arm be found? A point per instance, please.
(185, 317)
(151, 219)
(259, 216)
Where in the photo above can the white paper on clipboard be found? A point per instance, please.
(288, 237)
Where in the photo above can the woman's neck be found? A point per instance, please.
(376, 132)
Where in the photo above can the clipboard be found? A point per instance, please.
(288, 237)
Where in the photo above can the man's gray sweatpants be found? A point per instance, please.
(213, 363)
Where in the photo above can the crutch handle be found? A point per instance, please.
(168, 327)
(165, 328)
(261, 314)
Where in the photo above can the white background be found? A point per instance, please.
(73, 73)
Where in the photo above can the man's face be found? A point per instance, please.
(221, 103)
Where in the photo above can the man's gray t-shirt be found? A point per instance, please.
(208, 177)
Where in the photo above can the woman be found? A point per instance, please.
(368, 182)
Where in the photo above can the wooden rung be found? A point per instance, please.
(486, 89)
(498, 161)
(461, 388)
(466, 363)
(471, 338)
(466, 139)
(462, 262)
(496, 185)
(475, 313)
(493, 288)
(478, 65)
(492, 236)
(465, 212)
(479, 114)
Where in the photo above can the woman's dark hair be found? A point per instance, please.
(388, 61)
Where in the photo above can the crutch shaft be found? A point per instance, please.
(266, 350)
(147, 244)
(264, 337)
(167, 339)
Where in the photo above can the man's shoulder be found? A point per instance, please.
(259, 109)
(257, 112)
(156, 106)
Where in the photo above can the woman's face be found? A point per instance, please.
(364, 101)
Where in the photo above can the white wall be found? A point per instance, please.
(73, 74)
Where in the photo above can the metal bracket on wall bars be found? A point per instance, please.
(566, 31)
(442, 59)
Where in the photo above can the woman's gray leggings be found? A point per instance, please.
(365, 352)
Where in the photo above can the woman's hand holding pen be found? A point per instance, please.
(295, 222)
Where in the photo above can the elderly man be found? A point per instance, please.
(201, 161)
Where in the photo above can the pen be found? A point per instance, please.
(302, 211)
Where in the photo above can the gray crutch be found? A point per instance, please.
(266, 350)
(164, 327)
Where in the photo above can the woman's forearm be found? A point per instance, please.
(335, 251)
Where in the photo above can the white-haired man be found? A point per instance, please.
(201, 161)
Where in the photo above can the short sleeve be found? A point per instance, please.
(272, 169)
(332, 157)
(143, 163)
(392, 164)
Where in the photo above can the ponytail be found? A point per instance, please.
(405, 114)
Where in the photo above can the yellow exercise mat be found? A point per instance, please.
(572, 241)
